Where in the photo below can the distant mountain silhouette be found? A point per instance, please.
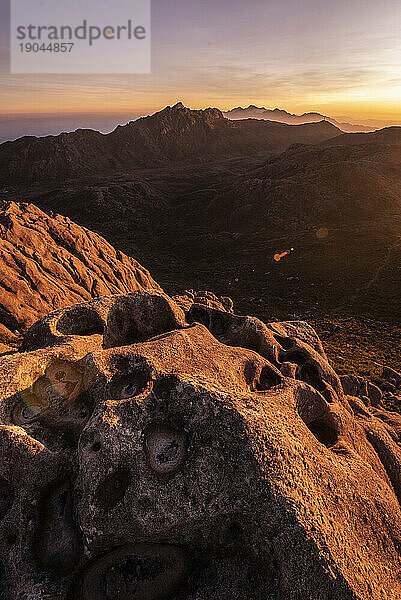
(282, 116)
(173, 134)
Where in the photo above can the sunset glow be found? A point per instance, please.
(342, 59)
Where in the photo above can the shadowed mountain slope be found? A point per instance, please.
(388, 135)
(308, 185)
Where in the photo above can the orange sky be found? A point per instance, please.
(340, 58)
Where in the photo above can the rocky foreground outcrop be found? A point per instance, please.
(154, 452)
(49, 262)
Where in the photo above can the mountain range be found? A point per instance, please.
(282, 116)
(174, 134)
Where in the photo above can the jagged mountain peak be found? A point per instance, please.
(179, 106)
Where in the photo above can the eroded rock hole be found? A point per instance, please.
(219, 324)
(288, 369)
(112, 490)
(268, 379)
(285, 342)
(127, 385)
(28, 407)
(123, 329)
(163, 388)
(324, 432)
(6, 497)
(58, 545)
(232, 534)
(12, 539)
(297, 356)
(80, 321)
(139, 572)
(250, 373)
(199, 315)
(165, 448)
(328, 395)
(310, 375)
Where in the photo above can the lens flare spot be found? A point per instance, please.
(278, 257)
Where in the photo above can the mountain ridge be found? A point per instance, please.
(283, 116)
(173, 134)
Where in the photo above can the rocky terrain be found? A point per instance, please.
(48, 262)
(155, 448)
(282, 116)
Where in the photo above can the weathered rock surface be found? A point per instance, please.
(353, 385)
(4, 348)
(190, 297)
(48, 262)
(163, 454)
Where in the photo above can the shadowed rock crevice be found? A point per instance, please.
(310, 374)
(297, 357)
(240, 572)
(269, 378)
(163, 388)
(58, 545)
(140, 572)
(324, 431)
(6, 497)
(285, 342)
